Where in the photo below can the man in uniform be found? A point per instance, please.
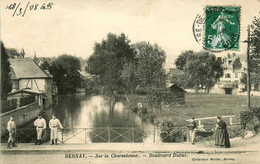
(40, 125)
(192, 126)
(11, 127)
(54, 124)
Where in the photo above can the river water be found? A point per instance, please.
(89, 119)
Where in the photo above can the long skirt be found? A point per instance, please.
(222, 138)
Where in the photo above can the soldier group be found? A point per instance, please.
(40, 124)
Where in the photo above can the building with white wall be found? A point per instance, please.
(233, 71)
(26, 74)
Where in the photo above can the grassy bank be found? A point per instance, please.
(200, 105)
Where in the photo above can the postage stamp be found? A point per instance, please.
(222, 28)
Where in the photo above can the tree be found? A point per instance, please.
(149, 67)
(129, 76)
(13, 53)
(45, 65)
(180, 79)
(108, 60)
(65, 71)
(182, 58)
(254, 79)
(255, 52)
(202, 69)
(6, 85)
(255, 37)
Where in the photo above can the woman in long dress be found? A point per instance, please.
(221, 135)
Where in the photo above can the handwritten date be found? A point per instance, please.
(21, 9)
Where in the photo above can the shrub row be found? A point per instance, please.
(248, 118)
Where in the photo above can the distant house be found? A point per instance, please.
(230, 82)
(27, 76)
(177, 94)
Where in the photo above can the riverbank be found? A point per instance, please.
(198, 106)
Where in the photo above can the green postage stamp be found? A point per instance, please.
(222, 28)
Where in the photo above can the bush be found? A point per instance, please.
(141, 91)
(170, 133)
(144, 110)
(256, 112)
(151, 117)
(246, 118)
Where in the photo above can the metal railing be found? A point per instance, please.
(86, 135)
(113, 134)
(106, 134)
(97, 135)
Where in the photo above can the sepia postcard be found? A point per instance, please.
(130, 81)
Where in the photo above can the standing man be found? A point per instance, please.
(192, 126)
(11, 127)
(40, 125)
(54, 124)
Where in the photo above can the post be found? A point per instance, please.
(16, 136)
(45, 135)
(133, 135)
(140, 108)
(248, 69)
(154, 134)
(182, 137)
(188, 135)
(108, 133)
(85, 135)
(199, 122)
(141, 117)
(61, 136)
(230, 120)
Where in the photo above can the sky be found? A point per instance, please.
(74, 26)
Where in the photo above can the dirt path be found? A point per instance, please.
(238, 143)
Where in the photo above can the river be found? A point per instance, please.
(88, 119)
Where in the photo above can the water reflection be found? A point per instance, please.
(87, 118)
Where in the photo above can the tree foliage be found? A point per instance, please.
(45, 65)
(255, 36)
(149, 65)
(129, 76)
(108, 61)
(255, 52)
(6, 85)
(13, 53)
(65, 71)
(202, 69)
(182, 59)
(180, 79)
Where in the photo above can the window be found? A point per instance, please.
(227, 75)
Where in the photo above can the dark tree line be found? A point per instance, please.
(6, 85)
(65, 70)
